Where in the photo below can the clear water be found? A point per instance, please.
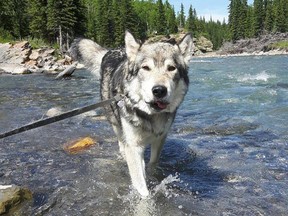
(226, 153)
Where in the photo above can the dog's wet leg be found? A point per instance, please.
(118, 132)
(156, 148)
(136, 165)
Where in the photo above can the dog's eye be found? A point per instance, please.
(171, 68)
(145, 67)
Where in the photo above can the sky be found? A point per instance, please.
(217, 9)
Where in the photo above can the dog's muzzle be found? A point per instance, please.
(159, 92)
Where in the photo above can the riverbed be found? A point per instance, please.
(226, 153)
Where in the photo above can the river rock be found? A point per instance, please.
(11, 196)
(14, 68)
(22, 45)
(204, 45)
(35, 55)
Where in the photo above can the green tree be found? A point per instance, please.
(5, 20)
(161, 18)
(258, 17)
(91, 19)
(61, 21)
(104, 21)
(80, 12)
(191, 21)
(15, 17)
(181, 17)
(238, 19)
(171, 21)
(269, 16)
(281, 15)
(38, 18)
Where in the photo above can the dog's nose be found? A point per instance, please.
(159, 91)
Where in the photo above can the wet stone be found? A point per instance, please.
(12, 196)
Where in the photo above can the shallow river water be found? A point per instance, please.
(227, 153)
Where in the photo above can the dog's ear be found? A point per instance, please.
(131, 45)
(185, 46)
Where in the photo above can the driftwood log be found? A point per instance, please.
(68, 71)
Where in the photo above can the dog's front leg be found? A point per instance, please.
(156, 148)
(134, 152)
(135, 160)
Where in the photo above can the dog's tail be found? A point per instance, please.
(88, 53)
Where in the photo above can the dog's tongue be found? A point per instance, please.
(161, 105)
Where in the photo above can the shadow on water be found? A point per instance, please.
(196, 177)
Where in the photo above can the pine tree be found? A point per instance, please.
(234, 19)
(181, 17)
(161, 19)
(80, 26)
(280, 16)
(269, 16)
(16, 17)
(250, 22)
(190, 20)
(103, 21)
(6, 18)
(91, 21)
(61, 20)
(258, 17)
(170, 18)
(38, 18)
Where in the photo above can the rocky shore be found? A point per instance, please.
(20, 58)
(263, 45)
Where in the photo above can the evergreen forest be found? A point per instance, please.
(59, 22)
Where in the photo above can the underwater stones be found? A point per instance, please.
(54, 111)
(11, 196)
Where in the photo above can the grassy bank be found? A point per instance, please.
(282, 45)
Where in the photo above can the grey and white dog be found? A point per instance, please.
(153, 79)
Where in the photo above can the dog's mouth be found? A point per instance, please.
(159, 105)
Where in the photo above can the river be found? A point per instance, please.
(226, 154)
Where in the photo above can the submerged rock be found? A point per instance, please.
(11, 196)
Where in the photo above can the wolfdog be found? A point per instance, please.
(153, 80)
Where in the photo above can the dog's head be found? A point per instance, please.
(158, 73)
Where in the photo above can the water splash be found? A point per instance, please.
(163, 187)
(263, 76)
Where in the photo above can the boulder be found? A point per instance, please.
(21, 45)
(14, 68)
(11, 196)
(35, 55)
(204, 45)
